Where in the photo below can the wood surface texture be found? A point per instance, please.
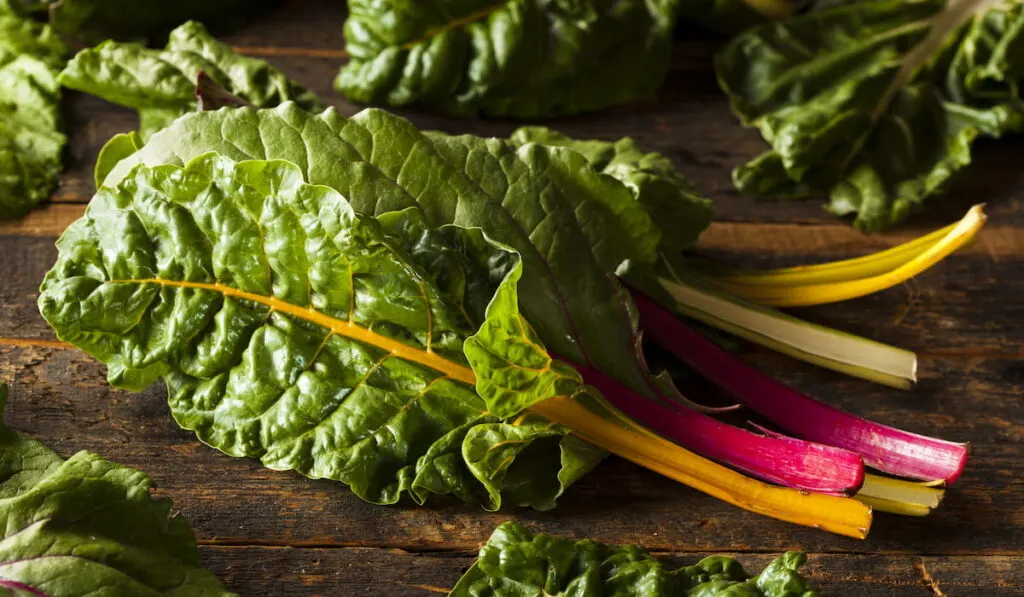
(277, 534)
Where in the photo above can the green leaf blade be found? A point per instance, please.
(161, 84)
(307, 337)
(511, 58)
(874, 104)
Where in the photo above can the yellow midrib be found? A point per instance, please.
(347, 329)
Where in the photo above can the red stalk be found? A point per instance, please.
(785, 461)
(885, 448)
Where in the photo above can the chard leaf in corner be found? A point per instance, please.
(161, 84)
(518, 562)
(31, 141)
(573, 226)
(876, 103)
(291, 330)
(517, 58)
(86, 526)
(652, 178)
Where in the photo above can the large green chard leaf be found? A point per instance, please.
(291, 330)
(161, 84)
(87, 526)
(30, 139)
(517, 562)
(572, 225)
(519, 58)
(875, 103)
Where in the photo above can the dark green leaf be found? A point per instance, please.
(516, 562)
(161, 84)
(86, 526)
(876, 103)
(518, 58)
(30, 139)
(291, 330)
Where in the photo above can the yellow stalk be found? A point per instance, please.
(622, 437)
(898, 496)
(853, 278)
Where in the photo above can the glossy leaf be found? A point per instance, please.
(291, 330)
(87, 526)
(31, 141)
(517, 562)
(875, 104)
(161, 84)
(517, 58)
(572, 225)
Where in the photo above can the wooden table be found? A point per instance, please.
(276, 534)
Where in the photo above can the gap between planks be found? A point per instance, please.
(827, 239)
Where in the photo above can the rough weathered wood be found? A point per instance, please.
(61, 397)
(271, 533)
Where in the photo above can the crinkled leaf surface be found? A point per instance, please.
(572, 225)
(30, 138)
(87, 526)
(517, 562)
(518, 58)
(94, 21)
(289, 329)
(161, 84)
(652, 178)
(876, 103)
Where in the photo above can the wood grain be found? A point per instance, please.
(274, 533)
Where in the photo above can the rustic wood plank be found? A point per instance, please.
(394, 573)
(60, 396)
(965, 304)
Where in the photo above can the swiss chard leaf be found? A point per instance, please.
(875, 104)
(518, 58)
(31, 142)
(87, 526)
(572, 225)
(289, 329)
(517, 562)
(161, 84)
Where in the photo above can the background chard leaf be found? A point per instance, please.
(517, 562)
(518, 58)
(572, 226)
(875, 104)
(291, 330)
(161, 84)
(31, 141)
(86, 526)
